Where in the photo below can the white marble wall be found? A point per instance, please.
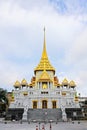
(53, 94)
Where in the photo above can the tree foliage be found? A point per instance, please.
(3, 99)
(85, 102)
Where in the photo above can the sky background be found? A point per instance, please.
(21, 39)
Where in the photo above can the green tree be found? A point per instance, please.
(85, 102)
(3, 100)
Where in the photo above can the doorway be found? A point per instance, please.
(44, 104)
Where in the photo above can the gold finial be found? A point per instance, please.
(44, 53)
(44, 29)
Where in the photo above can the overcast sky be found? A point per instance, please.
(21, 39)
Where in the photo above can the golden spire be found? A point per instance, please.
(44, 53)
(44, 62)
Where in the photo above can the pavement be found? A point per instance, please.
(76, 125)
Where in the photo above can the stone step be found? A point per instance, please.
(44, 114)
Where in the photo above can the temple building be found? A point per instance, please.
(45, 92)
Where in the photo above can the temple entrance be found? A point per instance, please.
(35, 104)
(53, 104)
(44, 104)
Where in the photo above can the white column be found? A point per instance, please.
(40, 85)
(39, 104)
(48, 84)
(49, 103)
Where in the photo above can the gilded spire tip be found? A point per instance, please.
(44, 53)
(44, 29)
(44, 34)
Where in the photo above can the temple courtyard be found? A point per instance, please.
(76, 125)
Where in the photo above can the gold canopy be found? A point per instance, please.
(44, 62)
(65, 82)
(24, 82)
(17, 84)
(72, 83)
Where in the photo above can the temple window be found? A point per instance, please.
(44, 104)
(25, 93)
(58, 93)
(44, 92)
(44, 85)
(63, 93)
(31, 92)
(31, 87)
(53, 104)
(35, 104)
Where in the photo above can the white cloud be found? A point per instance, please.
(78, 51)
(76, 60)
